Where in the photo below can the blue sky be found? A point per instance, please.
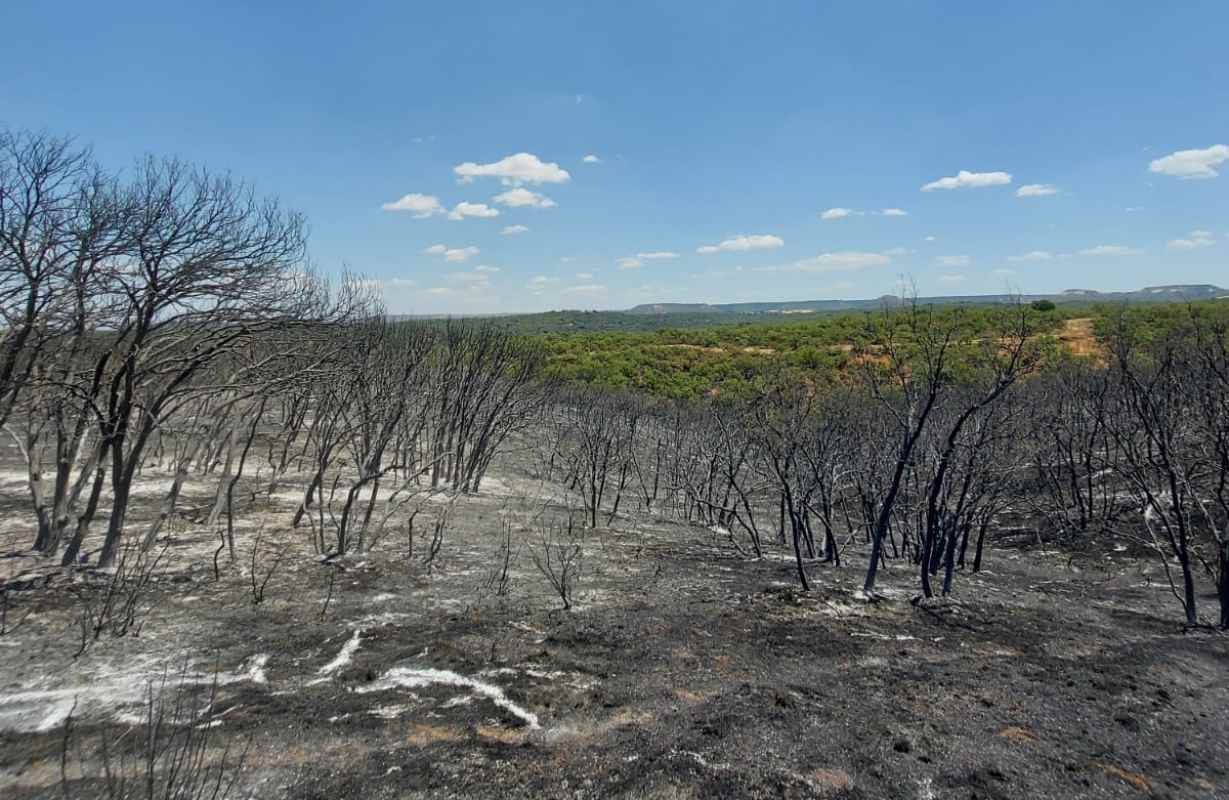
(722, 127)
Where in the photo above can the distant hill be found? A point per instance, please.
(657, 316)
(1149, 294)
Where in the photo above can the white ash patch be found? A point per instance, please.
(395, 710)
(256, 668)
(574, 680)
(411, 678)
(343, 657)
(900, 637)
(383, 618)
(120, 696)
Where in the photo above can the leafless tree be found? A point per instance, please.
(1170, 441)
(171, 755)
(1003, 359)
(559, 555)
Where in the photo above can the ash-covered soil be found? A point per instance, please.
(685, 670)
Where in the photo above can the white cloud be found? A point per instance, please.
(486, 268)
(585, 289)
(476, 210)
(657, 254)
(842, 213)
(931, 238)
(452, 254)
(836, 213)
(403, 282)
(844, 261)
(591, 159)
(420, 205)
(513, 230)
(969, 180)
(1192, 164)
(541, 282)
(516, 198)
(954, 261)
(1193, 241)
(897, 251)
(514, 170)
(1036, 190)
(743, 242)
(1004, 272)
(1110, 250)
(950, 279)
(629, 263)
(471, 279)
(1033, 255)
(584, 276)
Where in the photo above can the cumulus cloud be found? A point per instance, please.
(584, 289)
(842, 213)
(629, 263)
(452, 253)
(476, 210)
(584, 276)
(1193, 241)
(951, 278)
(539, 283)
(1192, 164)
(1036, 190)
(420, 205)
(954, 261)
(486, 268)
(657, 255)
(842, 261)
(1033, 255)
(744, 242)
(591, 159)
(519, 197)
(514, 230)
(969, 180)
(474, 281)
(1110, 250)
(514, 170)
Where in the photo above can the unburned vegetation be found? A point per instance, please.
(259, 541)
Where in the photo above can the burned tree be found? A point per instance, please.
(996, 366)
(1171, 440)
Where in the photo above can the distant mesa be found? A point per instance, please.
(1149, 294)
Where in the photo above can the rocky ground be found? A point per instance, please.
(684, 670)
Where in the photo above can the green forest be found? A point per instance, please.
(680, 361)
